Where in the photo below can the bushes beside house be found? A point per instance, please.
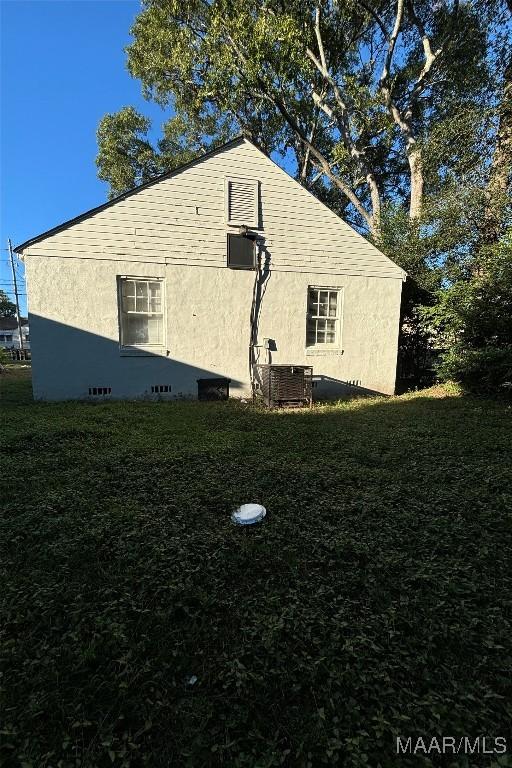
(486, 370)
(472, 321)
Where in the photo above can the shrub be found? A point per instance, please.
(485, 370)
(4, 358)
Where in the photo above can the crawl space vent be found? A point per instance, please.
(95, 391)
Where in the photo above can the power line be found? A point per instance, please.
(10, 281)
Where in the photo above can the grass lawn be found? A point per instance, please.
(374, 601)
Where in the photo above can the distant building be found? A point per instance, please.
(10, 335)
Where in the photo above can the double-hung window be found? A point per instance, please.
(141, 312)
(323, 318)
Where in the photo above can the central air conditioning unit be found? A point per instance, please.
(285, 386)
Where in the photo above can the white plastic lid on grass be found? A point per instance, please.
(248, 514)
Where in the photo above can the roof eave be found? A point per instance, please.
(92, 211)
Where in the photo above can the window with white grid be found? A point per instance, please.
(323, 317)
(141, 312)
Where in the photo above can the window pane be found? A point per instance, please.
(155, 302)
(142, 304)
(330, 332)
(311, 333)
(155, 327)
(142, 329)
(322, 307)
(333, 301)
(135, 329)
(313, 301)
(320, 331)
(128, 288)
(129, 303)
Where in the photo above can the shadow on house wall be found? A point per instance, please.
(69, 364)
(329, 388)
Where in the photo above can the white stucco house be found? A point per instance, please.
(200, 274)
(10, 335)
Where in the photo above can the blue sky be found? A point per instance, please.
(62, 68)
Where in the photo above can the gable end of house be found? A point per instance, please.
(184, 217)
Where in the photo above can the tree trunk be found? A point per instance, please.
(501, 167)
(416, 167)
(375, 212)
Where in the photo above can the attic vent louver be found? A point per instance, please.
(242, 202)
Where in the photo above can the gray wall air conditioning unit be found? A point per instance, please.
(285, 386)
(241, 252)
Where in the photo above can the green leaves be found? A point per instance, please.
(472, 322)
(126, 158)
(302, 73)
(7, 307)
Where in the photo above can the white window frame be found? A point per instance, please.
(141, 348)
(326, 346)
(255, 213)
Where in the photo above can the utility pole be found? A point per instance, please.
(16, 293)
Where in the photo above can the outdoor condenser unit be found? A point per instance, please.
(285, 386)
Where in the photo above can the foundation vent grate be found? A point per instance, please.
(95, 391)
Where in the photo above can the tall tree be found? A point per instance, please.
(353, 90)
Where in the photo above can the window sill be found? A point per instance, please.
(142, 352)
(331, 352)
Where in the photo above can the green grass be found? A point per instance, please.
(375, 599)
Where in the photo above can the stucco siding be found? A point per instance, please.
(73, 318)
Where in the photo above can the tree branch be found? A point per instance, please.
(430, 57)
(377, 18)
(319, 39)
(384, 85)
(267, 92)
(304, 170)
(345, 111)
(392, 41)
(323, 164)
